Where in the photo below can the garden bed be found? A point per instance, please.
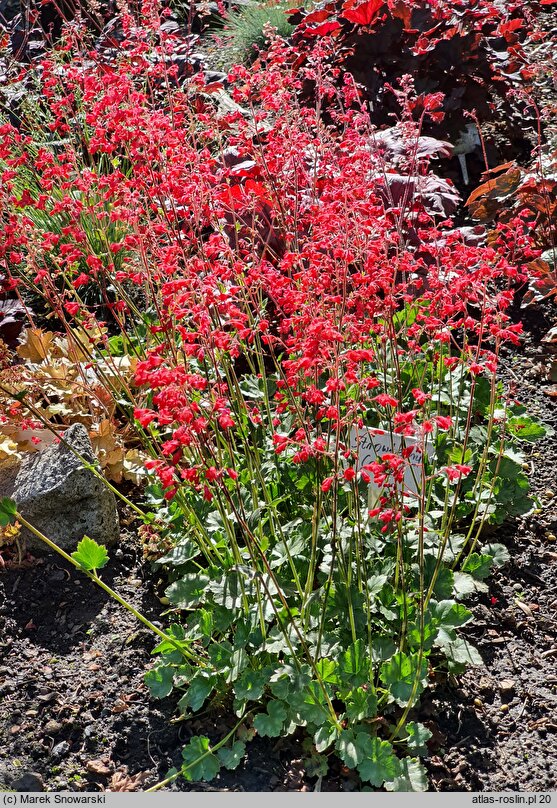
(259, 312)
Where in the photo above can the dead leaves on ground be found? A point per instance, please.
(58, 381)
(121, 781)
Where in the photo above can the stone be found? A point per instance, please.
(60, 497)
(52, 727)
(507, 687)
(29, 781)
(60, 750)
(485, 686)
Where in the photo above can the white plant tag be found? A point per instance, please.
(371, 444)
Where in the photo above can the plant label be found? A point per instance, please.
(371, 444)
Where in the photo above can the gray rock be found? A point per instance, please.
(60, 750)
(29, 781)
(60, 497)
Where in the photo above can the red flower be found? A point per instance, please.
(457, 471)
(72, 308)
(81, 280)
(225, 421)
(144, 416)
(385, 400)
(420, 396)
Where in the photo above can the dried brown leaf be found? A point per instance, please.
(36, 344)
(524, 608)
(497, 188)
(9, 454)
(121, 781)
(134, 466)
(98, 767)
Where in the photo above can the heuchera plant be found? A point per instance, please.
(478, 54)
(285, 278)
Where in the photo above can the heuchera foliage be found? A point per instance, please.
(476, 53)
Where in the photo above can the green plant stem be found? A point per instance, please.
(201, 758)
(118, 598)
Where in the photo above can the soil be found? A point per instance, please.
(500, 723)
(74, 711)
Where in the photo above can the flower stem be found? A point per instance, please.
(92, 575)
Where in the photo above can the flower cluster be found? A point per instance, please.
(271, 239)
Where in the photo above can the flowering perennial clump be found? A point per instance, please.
(287, 282)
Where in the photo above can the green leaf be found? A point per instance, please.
(417, 737)
(450, 614)
(199, 688)
(327, 669)
(200, 625)
(309, 704)
(8, 511)
(325, 736)
(465, 585)
(410, 775)
(525, 428)
(478, 566)
(231, 757)
(243, 630)
(90, 555)
(251, 684)
(360, 704)
(251, 387)
(462, 651)
(404, 675)
(160, 681)
(168, 648)
(455, 543)
(228, 590)
(425, 639)
(316, 765)
(270, 724)
(179, 555)
(287, 680)
(506, 467)
(443, 587)
(353, 665)
(188, 591)
(348, 749)
(238, 661)
(383, 647)
(498, 553)
(220, 654)
(457, 454)
(375, 584)
(378, 760)
(199, 762)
